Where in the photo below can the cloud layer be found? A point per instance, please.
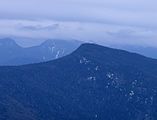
(107, 21)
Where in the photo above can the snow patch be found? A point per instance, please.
(110, 75)
(57, 55)
(84, 61)
(91, 78)
(131, 93)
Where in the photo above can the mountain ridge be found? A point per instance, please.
(13, 54)
(91, 83)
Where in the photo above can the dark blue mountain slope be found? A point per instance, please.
(92, 83)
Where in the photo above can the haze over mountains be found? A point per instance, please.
(13, 54)
(92, 83)
(78, 60)
(144, 50)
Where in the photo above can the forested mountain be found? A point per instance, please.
(92, 83)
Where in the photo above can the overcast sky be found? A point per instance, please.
(106, 21)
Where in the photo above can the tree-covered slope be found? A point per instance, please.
(92, 83)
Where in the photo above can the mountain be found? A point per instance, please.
(13, 54)
(92, 83)
(146, 51)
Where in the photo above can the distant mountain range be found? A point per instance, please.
(92, 83)
(13, 54)
(146, 51)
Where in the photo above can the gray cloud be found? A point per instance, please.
(125, 12)
(40, 27)
(108, 21)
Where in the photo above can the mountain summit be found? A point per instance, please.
(12, 54)
(92, 83)
(7, 42)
